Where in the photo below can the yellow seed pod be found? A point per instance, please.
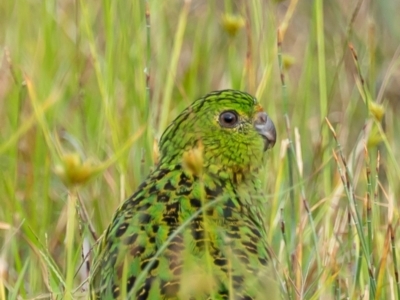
(193, 159)
(374, 138)
(377, 110)
(73, 171)
(232, 23)
(287, 61)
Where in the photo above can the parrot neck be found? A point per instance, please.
(199, 161)
(235, 175)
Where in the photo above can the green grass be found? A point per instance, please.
(78, 129)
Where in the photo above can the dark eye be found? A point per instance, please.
(228, 119)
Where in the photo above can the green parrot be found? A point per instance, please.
(194, 228)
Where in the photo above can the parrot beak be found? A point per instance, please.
(266, 128)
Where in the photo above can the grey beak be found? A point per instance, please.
(266, 128)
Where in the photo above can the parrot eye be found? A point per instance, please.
(228, 119)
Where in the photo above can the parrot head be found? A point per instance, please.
(229, 127)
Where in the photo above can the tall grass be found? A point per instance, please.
(87, 87)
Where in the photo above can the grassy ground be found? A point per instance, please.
(78, 129)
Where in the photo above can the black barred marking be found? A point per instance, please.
(132, 202)
(155, 228)
(255, 231)
(169, 288)
(185, 181)
(230, 204)
(145, 262)
(176, 245)
(162, 198)
(113, 255)
(121, 230)
(237, 285)
(145, 206)
(170, 219)
(137, 250)
(233, 235)
(144, 218)
(153, 189)
(263, 261)
(253, 222)
(251, 247)
(128, 215)
(195, 203)
(177, 167)
(210, 212)
(131, 239)
(144, 292)
(152, 240)
(220, 261)
(172, 207)
(214, 250)
(171, 214)
(198, 219)
(177, 270)
(160, 174)
(140, 188)
(227, 212)
(198, 233)
(130, 283)
(241, 255)
(127, 205)
(173, 264)
(183, 191)
(237, 279)
(223, 291)
(213, 193)
(168, 186)
(234, 228)
(115, 291)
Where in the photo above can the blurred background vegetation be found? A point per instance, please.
(78, 129)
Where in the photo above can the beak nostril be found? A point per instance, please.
(266, 128)
(262, 118)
